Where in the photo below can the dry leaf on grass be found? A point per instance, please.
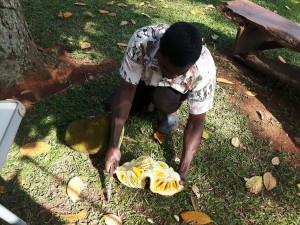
(122, 5)
(25, 92)
(193, 204)
(34, 148)
(84, 45)
(144, 14)
(255, 184)
(222, 58)
(80, 4)
(197, 12)
(73, 217)
(281, 59)
(150, 220)
(269, 181)
(74, 188)
(275, 161)
(152, 6)
(123, 23)
(176, 217)
(210, 6)
(111, 219)
(223, 80)
(111, 14)
(103, 11)
(159, 137)
(121, 44)
(133, 21)
(235, 142)
(111, 2)
(65, 15)
(298, 185)
(297, 139)
(195, 217)
(195, 189)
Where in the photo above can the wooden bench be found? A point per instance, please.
(259, 30)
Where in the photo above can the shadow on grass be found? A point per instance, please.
(20, 203)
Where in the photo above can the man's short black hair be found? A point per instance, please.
(181, 43)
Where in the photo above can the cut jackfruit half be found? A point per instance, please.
(163, 179)
(165, 182)
(90, 135)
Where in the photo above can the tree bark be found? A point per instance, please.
(18, 53)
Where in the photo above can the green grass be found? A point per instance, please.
(36, 188)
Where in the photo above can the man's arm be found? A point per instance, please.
(122, 103)
(191, 141)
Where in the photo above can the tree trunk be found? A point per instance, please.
(18, 53)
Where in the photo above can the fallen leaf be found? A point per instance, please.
(210, 6)
(25, 92)
(287, 7)
(251, 94)
(235, 142)
(2, 189)
(122, 5)
(73, 217)
(133, 21)
(281, 59)
(275, 161)
(152, 6)
(121, 44)
(74, 188)
(197, 12)
(159, 137)
(261, 115)
(223, 80)
(111, 14)
(84, 45)
(111, 2)
(34, 148)
(123, 23)
(165, 6)
(255, 184)
(298, 185)
(214, 36)
(195, 217)
(193, 204)
(147, 2)
(195, 189)
(205, 134)
(142, 3)
(65, 15)
(269, 181)
(79, 3)
(103, 11)
(111, 219)
(176, 217)
(298, 194)
(150, 220)
(144, 14)
(297, 139)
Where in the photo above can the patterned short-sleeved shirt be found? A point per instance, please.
(140, 63)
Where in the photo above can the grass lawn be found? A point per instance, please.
(36, 187)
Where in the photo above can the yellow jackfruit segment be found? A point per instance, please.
(163, 179)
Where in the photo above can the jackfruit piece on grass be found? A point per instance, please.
(165, 182)
(90, 135)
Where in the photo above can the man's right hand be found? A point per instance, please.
(112, 159)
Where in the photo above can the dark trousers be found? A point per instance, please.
(165, 99)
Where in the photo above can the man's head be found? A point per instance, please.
(180, 48)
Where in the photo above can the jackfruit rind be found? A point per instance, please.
(90, 135)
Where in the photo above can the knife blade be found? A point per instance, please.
(111, 178)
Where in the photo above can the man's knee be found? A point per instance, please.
(166, 100)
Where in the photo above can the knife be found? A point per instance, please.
(111, 178)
